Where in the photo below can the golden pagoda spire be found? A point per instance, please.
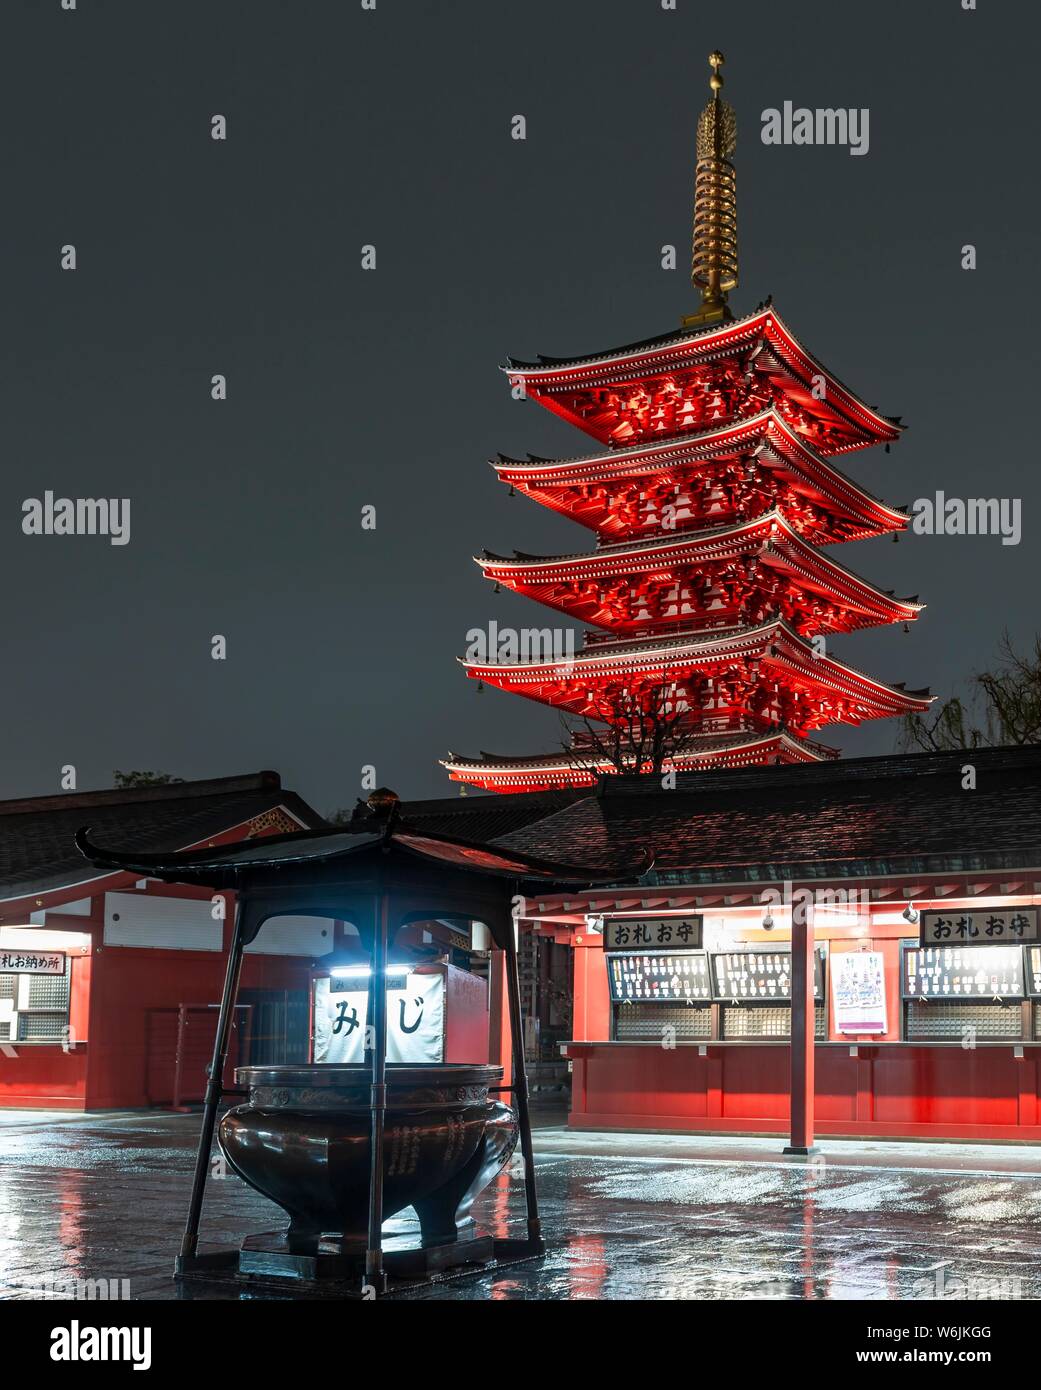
(714, 249)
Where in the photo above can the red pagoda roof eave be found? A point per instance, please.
(713, 342)
(655, 552)
(648, 346)
(590, 468)
(892, 702)
(730, 432)
(813, 752)
(545, 772)
(627, 655)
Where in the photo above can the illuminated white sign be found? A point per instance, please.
(415, 1020)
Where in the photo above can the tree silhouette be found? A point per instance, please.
(1004, 707)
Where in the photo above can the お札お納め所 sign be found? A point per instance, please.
(27, 962)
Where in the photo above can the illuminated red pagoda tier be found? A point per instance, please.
(710, 497)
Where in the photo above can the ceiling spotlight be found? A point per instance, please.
(911, 913)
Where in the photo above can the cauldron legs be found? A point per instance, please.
(444, 1215)
(302, 1240)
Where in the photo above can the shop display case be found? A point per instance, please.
(654, 990)
(707, 996)
(754, 989)
(954, 992)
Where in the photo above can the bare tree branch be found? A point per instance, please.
(630, 731)
(1004, 707)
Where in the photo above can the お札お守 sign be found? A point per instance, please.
(985, 926)
(665, 933)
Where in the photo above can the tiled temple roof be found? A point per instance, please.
(37, 849)
(907, 809)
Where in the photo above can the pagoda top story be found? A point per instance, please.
(690, 379)
(711, 489)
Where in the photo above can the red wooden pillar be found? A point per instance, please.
(500, 1048)
(803, 1028)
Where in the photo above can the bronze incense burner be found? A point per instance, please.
(303, 1141)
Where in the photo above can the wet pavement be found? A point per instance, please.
(626, 1216)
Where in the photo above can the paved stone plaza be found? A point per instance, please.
(627, 1216)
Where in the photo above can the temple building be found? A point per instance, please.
(108, 980)
(712, 493)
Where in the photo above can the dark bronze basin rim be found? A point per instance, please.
(399, 1075)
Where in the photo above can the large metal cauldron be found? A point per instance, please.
(303, 1140)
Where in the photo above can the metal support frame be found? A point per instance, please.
(520, 1084)
(214, 1084)
(375, 1276)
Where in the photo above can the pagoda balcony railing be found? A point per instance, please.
(711, 727)
(683, 627)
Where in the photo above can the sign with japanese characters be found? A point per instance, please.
(953, 972)
(28, 962)
(984, 926)
(668, 976)
(415, 1020)
(652, 933)
(858, 991)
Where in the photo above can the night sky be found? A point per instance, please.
(349, 388)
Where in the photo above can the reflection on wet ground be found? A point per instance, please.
(658, 1217)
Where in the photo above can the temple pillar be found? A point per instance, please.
(803, 1027)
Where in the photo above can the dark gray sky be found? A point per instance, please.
(349, 388)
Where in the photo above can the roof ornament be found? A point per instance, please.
(714, 246)
(379, 811)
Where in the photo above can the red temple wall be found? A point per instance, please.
(910, 1091)
(124, 1069)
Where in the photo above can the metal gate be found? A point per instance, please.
(178, 1049)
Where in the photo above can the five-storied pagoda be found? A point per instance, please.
(711, 492)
